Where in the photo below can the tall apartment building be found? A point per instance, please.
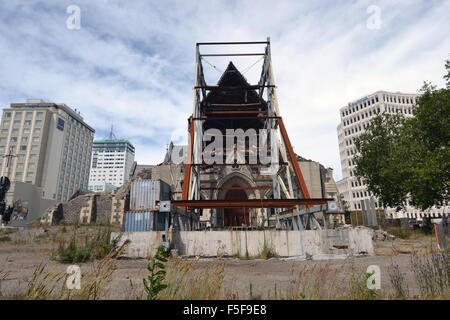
(51, 147)
(111, 163)
(355, 118)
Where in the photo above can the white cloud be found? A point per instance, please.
(133, 63)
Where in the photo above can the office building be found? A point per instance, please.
(49, 146)
(355, 118)
(111, 163)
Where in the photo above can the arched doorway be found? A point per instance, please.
(234, 217)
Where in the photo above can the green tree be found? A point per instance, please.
(409, 159)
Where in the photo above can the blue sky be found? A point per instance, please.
(132, 63)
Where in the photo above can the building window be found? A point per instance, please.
(20, 166)
(7, 114)
(29, 174)
(18, 114)
(38, 122)
(24, 139)
(16, 123)
(34, 148)
(39, 114)
(37, 130)
(23, 148)
(18, 174)
(13, 139)
(27, 122)
(35, 139)
(29, 114)
(6, 123)
(26, 130)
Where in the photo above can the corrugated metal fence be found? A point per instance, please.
(144, 193)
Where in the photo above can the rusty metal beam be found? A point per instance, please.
(252, 203)
(234, 104)
(187, 169)
(238, 188)
(298, 172)
(232, 54)
(234, 118)
(237, 112)
(230, 43)
(250, 87)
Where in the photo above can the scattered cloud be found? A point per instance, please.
(132, 64)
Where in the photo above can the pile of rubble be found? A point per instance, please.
(377, 235)
(381, 235)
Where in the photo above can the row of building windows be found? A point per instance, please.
(17, 123)
(15, 139)
(358, 205)
(20, 174)
(28, 114)
(366, 115)
(367, 103)
(25, 131)
(351, 152)
(21, 148)
(400, 99)
(358, 107)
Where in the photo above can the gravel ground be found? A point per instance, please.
(20, 256)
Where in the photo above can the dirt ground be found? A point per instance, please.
(24, 250)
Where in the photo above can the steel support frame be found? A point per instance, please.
(275, 125)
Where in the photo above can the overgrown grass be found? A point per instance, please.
(88, 248)
(432, 273)
(401, 233)
(187, 280)
(398, 282)
(267, 252)
(4, 238)
(50, 285)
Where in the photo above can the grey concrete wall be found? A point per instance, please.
(31, 197)
(285, 243)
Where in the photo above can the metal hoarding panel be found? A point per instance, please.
(144, 194)
(138, 221)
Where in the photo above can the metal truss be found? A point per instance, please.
(285, 173)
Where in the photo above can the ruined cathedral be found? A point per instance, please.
(234, 181)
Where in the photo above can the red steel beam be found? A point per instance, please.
(239, 188)
(236, 112)
(187, 169)
(233, 104)
(250, 87)
(231, 43)
(235, 118)
(232, 54)
(298, 172)
(252, 203)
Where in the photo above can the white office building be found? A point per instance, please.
(111, 163)
(355, 118)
